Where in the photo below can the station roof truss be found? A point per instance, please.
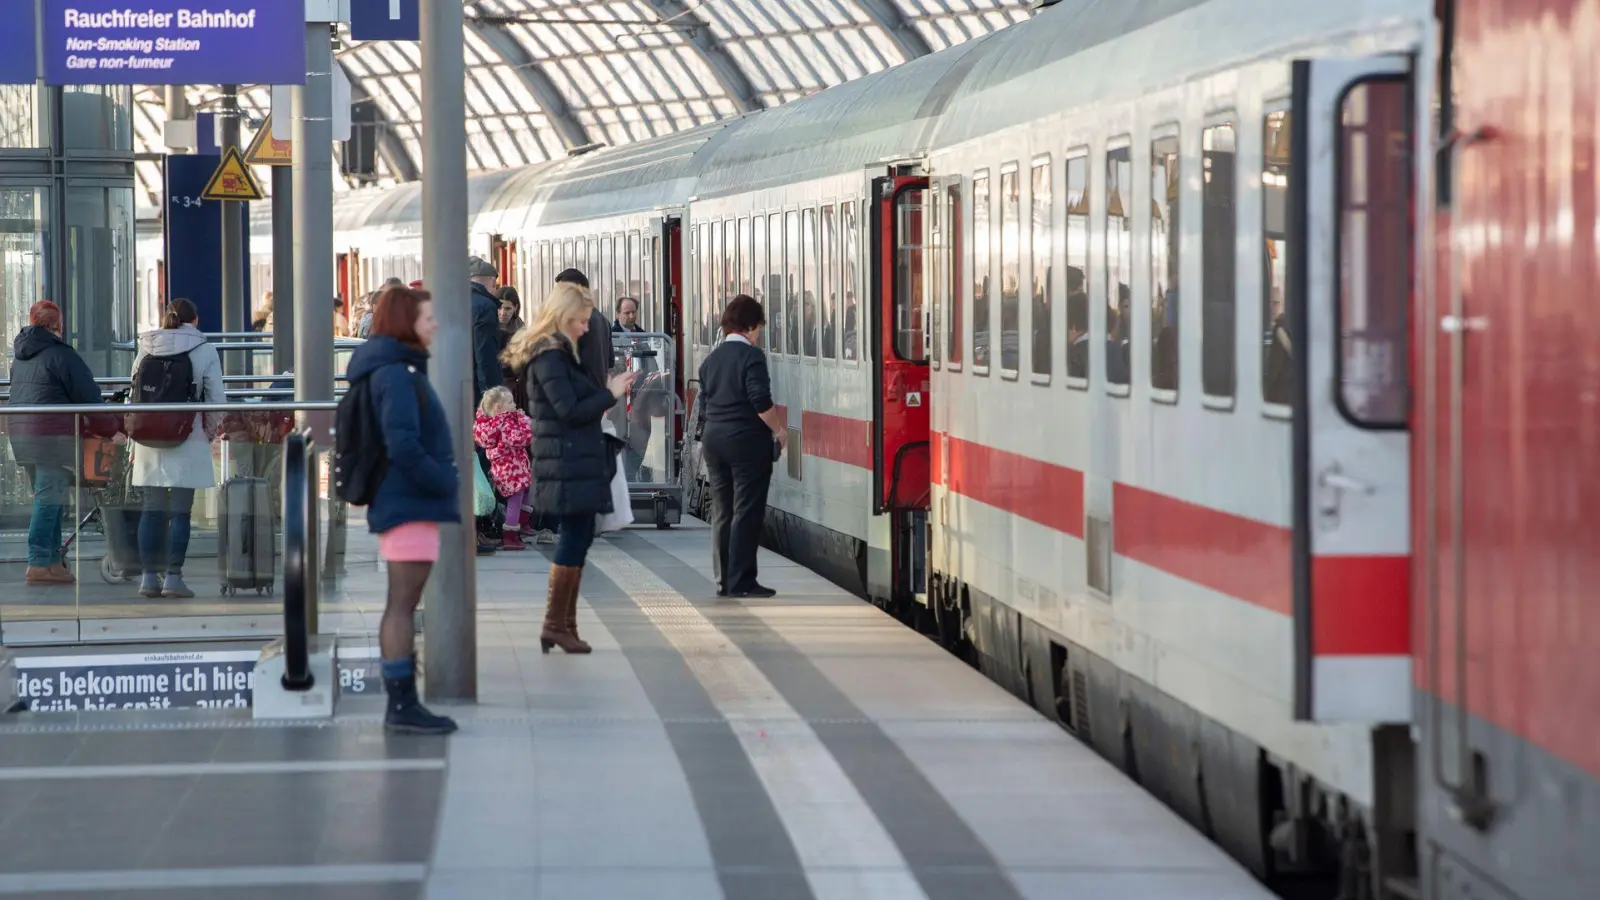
(546, 78)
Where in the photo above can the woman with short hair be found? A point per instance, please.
(418, 491)
(742, 435)
(573, 461)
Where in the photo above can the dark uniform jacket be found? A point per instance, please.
(573, 464)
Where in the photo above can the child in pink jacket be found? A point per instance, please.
(504, 432)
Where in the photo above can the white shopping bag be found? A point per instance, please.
(621, 515)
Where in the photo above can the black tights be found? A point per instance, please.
(398, 631)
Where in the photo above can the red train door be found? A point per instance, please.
(899, 360)
(665, 251)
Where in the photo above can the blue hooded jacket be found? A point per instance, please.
(422, 482)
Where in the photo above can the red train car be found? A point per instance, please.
(1507, 461)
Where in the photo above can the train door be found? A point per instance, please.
(347, 277)
(899, 360)
(664, 253)
(504, 254)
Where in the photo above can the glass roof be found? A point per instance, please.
(548, 76)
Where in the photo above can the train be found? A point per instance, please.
(1208, 373)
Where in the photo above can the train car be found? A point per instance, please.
(1096, 338)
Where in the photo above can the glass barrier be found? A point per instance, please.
(103, 538)
(648, 421)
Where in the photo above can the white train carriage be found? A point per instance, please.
(1005, 426)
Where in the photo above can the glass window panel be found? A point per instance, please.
(1079, 347)
(808, 283)
(745, 271)
(981, 272)
(24, 268)
(1165, 236)
(1219, 225)
(938, 296)
(602, 279)
(791, 281)
(19, 117)
(1277, 304)
(1119, 276)
(728, 262)
(852, 281)
(98, 296)
(829, 285)
(1043, 253)
(1010, 270)
(909, 340)
(759, 275)
(955, 285)
(97, 117)
(705, 286)
(776, 283)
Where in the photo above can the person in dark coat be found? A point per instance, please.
(419, 490)
(594, 348)
(48, 372)
(740, 428)
(573, 461)
(485, 363)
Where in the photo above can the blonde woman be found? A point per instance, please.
(572, 463)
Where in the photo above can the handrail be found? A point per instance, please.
(226, 379)
(338, 344)
(299, 562)
(101, 409)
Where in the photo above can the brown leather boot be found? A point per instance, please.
(572, 612)
(563, 590)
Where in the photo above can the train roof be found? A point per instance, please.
(973, 89)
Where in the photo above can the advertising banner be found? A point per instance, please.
(206, 679)
(174, 42)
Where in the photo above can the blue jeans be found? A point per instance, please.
(51, 489)
(574, 534)
(164, 529)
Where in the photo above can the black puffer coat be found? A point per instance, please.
(48, 372)
(573, 462)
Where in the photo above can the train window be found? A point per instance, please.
(634, 286)
(1119, 261)
(1218, 227)
(828, 293)
(742, 260)
(569, 257)
(758, 268)
(1010, 269)
(953, 285)
(1042, 250)
(852, 280)
(791, 282)
(1165, 234)
(909, 342)
(601, 279)
(728, 264)
(808, 283)
(1077, 242)
(981, 250)
(775, 281)
(1374, 249)
(704, 297)
(935, 262)
(1277, 304)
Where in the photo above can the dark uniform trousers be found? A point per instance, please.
(740, 472)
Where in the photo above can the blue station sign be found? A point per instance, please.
(19, 59)
(174, 42)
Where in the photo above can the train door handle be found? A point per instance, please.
(1335, 484)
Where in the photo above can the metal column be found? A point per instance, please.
(283, 268)
(451, 606)
(235, 306)
(313, 229)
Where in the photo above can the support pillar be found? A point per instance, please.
(283, 268)
(451, 605)
(312, 193)
(235, 306)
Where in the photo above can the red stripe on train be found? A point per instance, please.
(1041, 492)
(837, 438)
(1362, 602)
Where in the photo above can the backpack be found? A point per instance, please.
(162, 379)
(360, 457)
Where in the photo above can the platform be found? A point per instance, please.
(806, 746)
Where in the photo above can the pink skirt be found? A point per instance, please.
(411, 542)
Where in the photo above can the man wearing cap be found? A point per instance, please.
(485, 326)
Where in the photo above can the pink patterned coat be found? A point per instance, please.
(505, 438)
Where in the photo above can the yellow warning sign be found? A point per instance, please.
(267, 150)
(232, 180)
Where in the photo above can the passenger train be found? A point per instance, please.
(1132, 352)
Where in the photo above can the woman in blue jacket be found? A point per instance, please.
(418, 491)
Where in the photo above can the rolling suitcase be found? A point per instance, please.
(247, 549)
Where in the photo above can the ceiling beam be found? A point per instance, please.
(391, 146)
(698, 34)
(886, 14)
(531, 73)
